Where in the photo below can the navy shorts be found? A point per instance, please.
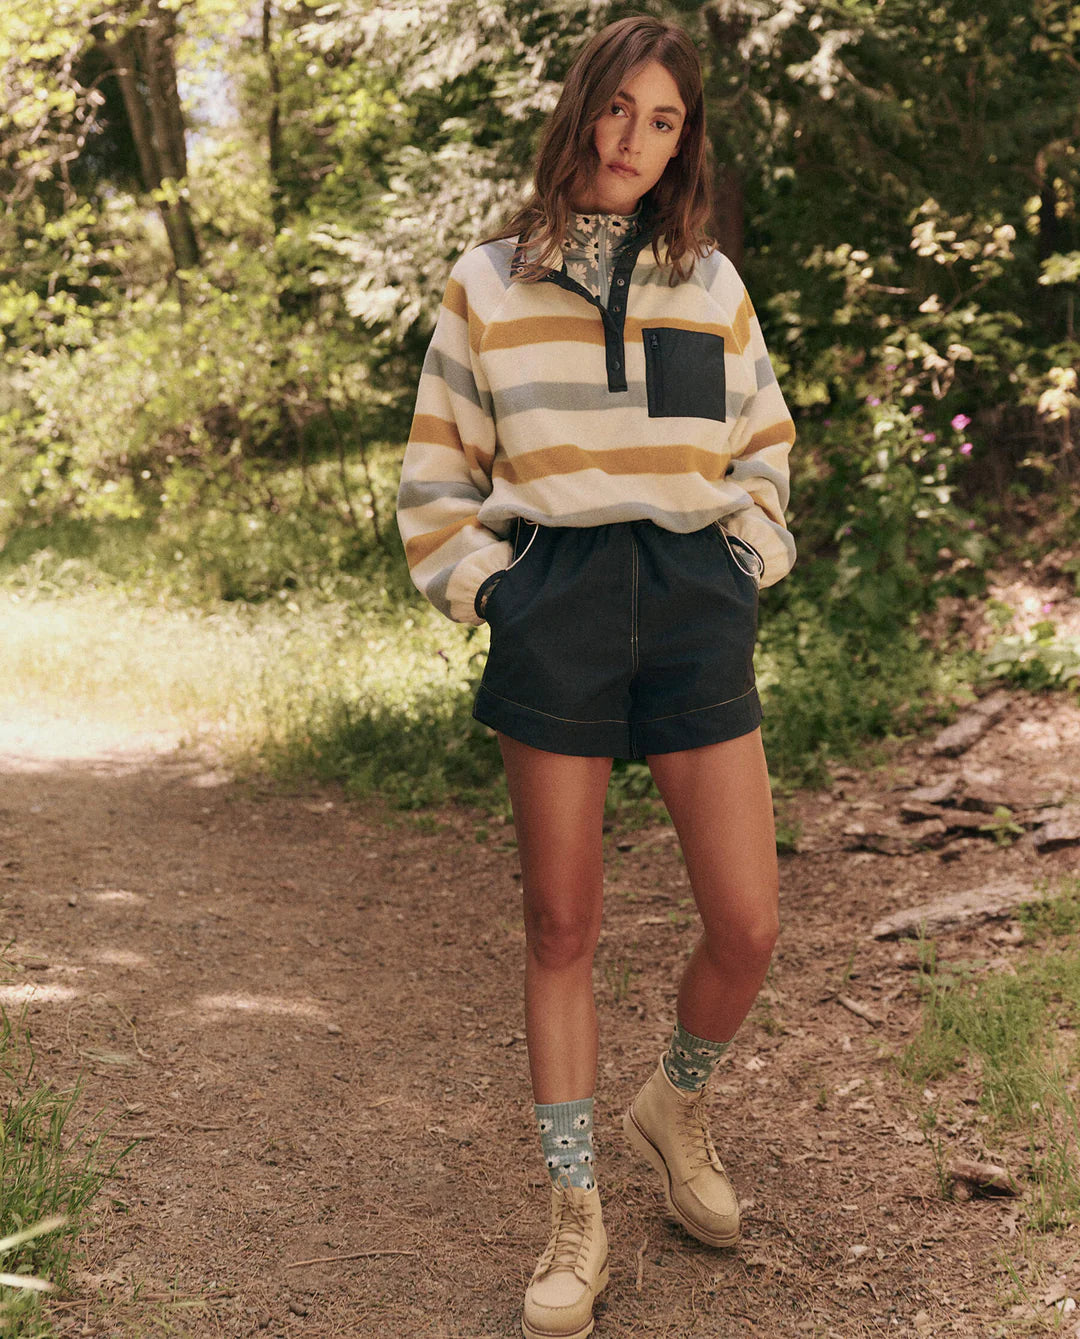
(621, 640)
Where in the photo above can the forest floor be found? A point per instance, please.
(307, 1013)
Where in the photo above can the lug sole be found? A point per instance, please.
(530, 1331)
(641, 1143)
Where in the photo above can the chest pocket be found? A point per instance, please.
(684, 373)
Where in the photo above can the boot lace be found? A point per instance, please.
(571, 1236)
(696, 1139)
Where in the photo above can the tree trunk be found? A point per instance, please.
(730, 226)
(142, 58)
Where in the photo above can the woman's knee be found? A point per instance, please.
(558, 937)
(748, 939)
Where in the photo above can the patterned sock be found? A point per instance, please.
(690, 1060)
(566, 1140)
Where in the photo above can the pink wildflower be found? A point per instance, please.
(960, 422)
(929, 437)
(966, 448)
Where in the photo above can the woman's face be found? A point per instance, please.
(636, 137)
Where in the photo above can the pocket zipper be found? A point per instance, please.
(655, 389)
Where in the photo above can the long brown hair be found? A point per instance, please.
(678, 206)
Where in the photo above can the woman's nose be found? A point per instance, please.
(629, 137)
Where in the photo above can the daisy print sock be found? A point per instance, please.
(566, 1140)
(690, 1060)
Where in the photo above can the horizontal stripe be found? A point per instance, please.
(420, 547)
(460, 379)
(430, 428)
(414, 493)
(514, 334)
(625, 460)
(775, 434)
(455, 299)
(757, 470)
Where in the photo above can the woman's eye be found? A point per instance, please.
(664, 124)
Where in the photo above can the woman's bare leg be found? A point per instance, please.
(558, 804)
(721, 804)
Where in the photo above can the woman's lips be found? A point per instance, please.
(623, 170)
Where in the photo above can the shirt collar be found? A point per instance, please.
(635, 227)
(583, 231)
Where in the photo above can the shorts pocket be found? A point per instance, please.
(743, 554)
(684, 373)
(525, 533)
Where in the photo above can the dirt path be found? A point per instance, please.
(309, 1011)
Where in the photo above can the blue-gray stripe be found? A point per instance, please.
(435, 590)
(414, 493)
(459, 378)
(584, 397)
(742, 470)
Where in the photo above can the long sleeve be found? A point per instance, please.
(446, 472)
(760, 445)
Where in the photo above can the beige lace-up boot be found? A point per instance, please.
(668, 1127)
(572, 1270)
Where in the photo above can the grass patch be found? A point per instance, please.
(1016, 1035)
(47, 1170)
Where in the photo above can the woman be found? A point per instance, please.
(598, 467)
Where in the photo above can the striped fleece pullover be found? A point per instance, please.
(537, 400)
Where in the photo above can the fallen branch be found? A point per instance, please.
(862, 1010)
(354, 1255)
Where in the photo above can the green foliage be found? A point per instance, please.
(47, 1170)
(998, 1024)
(1001, 1029)
(1003, 827)
(832, 683)
(1056, 915)
(1040, 658)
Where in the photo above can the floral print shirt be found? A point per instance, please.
(591, 244)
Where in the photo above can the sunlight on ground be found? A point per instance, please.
(116, 675)
(40, 994)
(263, 1004)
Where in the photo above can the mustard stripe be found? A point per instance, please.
(514, 334)
(429, 429)
(423, 546)
(776, 434)
(741, 323)
(543, 330)
(455, 298)
(631, 460)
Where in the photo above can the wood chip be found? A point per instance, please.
(987, 1177)
(641, 1260)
